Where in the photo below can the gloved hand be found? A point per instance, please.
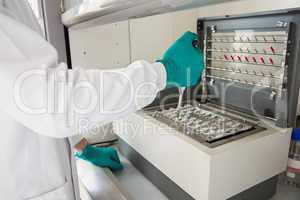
(101, 157)
(183, 62)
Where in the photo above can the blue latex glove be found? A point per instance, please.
(183, 62)
(101, 157)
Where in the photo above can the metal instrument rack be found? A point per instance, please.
(253, 58)
(252, 65)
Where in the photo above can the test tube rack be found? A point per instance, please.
(255, 58)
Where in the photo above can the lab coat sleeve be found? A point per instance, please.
(102, 96)
(54, 101)
(61, 103)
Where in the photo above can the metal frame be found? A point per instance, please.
(283, 107)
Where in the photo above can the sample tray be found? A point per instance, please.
(204, 124)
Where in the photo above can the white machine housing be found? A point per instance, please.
(207, 173)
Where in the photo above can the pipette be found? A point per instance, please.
(181, 92)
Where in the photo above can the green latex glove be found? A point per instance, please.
(101, 157)
(183, 62)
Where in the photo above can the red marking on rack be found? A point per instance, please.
(273, 50)
(225, 56)
(262, 60)
(293, 170)
(240, 59)
(271, 61)
(232, 57)
(246, 58)
(254, 59)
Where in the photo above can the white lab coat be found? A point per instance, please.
(35, 159)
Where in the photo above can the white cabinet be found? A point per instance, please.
(118, 44)
(184, 21)
(151, 36)
(105, 46)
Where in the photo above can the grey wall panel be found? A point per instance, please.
(54, 28)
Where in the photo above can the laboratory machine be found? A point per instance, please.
(230, 138)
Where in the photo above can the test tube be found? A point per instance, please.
(181, 92)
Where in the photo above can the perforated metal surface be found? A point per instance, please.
(202, 123)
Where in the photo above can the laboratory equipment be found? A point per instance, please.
(180, 98)
(257, 67)
(236, 127)
(293, 171)
(248, 69)
(204, 124)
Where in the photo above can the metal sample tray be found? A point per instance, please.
(205, 124)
